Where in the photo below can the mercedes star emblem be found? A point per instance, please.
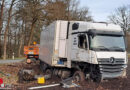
(112, 60)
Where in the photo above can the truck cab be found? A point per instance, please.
(99, 45)
(31, 52)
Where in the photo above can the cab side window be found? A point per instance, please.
(82, 41)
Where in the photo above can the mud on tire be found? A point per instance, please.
(78, 76)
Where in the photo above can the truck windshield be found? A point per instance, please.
(107, 43)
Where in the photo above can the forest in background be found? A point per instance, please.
(21, 21)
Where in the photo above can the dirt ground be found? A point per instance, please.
(12, 79)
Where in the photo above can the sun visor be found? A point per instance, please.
(99, 32)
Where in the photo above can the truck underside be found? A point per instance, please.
(83, 70)
(79, 71)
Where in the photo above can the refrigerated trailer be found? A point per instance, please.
(83, 50)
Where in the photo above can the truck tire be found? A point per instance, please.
(96, 77)
(95, 74)
(79, 76)
(48, 72)
(43, 66)
(25, 75)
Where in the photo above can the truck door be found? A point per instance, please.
(80, 48)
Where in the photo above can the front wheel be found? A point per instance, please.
(95, 74)
(79, 76)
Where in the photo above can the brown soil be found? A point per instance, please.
(113, 84)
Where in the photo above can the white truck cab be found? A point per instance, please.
(102, 44)
(85, 49)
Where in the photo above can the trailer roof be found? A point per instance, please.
(84, 26)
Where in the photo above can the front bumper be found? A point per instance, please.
(114, 75)
(112, 70)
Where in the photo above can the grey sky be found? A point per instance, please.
(101, 9)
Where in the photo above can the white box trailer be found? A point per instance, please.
(53, 42)
(84, 49)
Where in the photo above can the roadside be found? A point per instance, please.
(12, 69)
(11, 61)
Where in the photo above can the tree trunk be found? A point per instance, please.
(1, 23)
(32, 30)
(7, 28)
(21, 40)
(20, 46)
(1, 15)
(15, 42)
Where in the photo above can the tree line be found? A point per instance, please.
(21, 21)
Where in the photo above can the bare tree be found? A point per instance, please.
(1, 15)
(33, 11)
(121, 16)
(55, 10)
(7, 28)
(24, 20)
(1, 21)
(66, 10)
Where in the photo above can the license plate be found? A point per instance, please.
(30, 52)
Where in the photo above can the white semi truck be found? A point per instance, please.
(83, 49)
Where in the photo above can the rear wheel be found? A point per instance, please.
(48, 72)
(43, 66)
(79, 76)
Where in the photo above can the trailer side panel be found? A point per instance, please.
(47, 44)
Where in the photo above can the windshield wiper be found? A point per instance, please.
(117, 48)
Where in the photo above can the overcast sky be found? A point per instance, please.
(101, 9)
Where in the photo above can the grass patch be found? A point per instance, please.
(16, 58)
(13, 78)
(19, 58)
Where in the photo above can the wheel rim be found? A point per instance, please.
(48, 72)
(77, 78)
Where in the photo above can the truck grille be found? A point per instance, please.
(111, 68)
(107, 61)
